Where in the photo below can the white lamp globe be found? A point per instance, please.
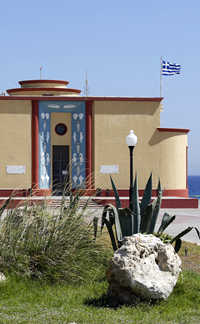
(131, 139)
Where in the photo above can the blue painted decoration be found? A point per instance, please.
(78, 141)
(44, 149)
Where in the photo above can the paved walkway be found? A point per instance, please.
(184, 218)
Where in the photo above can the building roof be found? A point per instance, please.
(174, 130)
(43, 88)
(79, 98)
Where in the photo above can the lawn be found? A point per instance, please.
(56, 274)
(29, 301)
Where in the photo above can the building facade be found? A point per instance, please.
(50, 135)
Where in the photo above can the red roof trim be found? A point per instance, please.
(43, 89)
(176, 130)
(43, 81)
(52, 98)
(123, 99)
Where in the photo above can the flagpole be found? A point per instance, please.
(161, 59)
(86, 85)
(40, 72)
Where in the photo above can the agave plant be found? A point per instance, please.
(141, 219)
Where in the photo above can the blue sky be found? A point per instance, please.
(118, 43)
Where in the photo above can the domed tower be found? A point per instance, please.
(46, 88)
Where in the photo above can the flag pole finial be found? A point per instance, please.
(41, 72)
(86, 84)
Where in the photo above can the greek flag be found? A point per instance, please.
(168, 68)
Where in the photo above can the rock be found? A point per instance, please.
(143, 268)
(2, 277)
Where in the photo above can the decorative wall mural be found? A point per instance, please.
(78, 138)
(44, 150)
(78, 149)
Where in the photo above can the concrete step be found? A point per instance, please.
(57, 203)
(99, 202)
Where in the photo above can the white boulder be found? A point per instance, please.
(143, 267)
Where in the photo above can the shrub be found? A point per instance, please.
(140, 217)
(38, 243)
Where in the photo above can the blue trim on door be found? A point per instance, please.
(44, 149)
(78, 141)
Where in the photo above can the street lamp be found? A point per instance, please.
(131, 141)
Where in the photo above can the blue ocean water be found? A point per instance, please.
(194, 186)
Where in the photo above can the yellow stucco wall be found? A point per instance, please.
(112, 121)
(173, 162)
(57, 118)
(15, 142)
(162, 153)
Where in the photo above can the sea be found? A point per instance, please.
(194, 186)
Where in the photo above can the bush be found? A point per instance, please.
(140, 217)
(38, 243)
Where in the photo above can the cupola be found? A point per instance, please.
(32, 88)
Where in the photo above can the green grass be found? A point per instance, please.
(26, 301)
(67, 282)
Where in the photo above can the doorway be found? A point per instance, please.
(60, 168)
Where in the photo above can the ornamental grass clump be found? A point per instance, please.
(36, 242)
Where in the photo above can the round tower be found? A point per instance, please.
(37, 88)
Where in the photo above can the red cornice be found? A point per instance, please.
(175, 130)
(43, 89)
(70, 98)
(123, 99)
(43, 81)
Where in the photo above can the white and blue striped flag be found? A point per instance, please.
(168, 68)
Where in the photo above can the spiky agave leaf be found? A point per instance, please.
(146, 219)
(178, 245)
(166, 221)
(103, 217)
(111, 215)
(111, 233)
(114, 219)
(156, 208)
(187, 230)
(197, 230)
(136, 219)
(146, 199)
(125, 219)
(109, 223)
(117, 223)
(117, 199)
(109, 210)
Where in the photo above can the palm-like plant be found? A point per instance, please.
(142, 219)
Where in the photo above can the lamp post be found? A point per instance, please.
(131, 141)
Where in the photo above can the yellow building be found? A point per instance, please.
(50, 134)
